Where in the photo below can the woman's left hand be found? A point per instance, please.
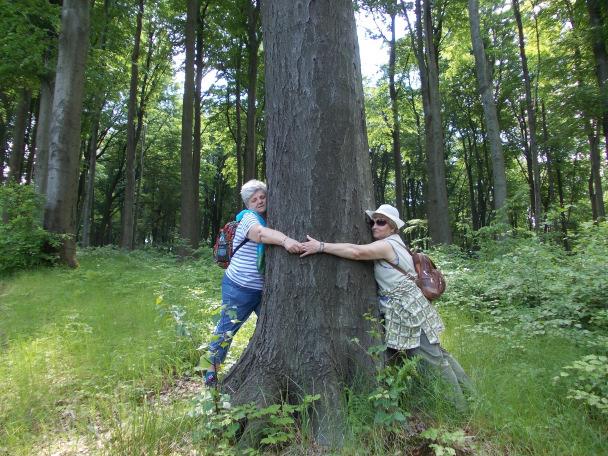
(310, 247)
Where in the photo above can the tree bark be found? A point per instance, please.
(484, 82)
(396, 128)
(64, 147)
(188, 208)
(128, 211)
(531, 116)
(18, 150)
(319, 183)
(253, 44)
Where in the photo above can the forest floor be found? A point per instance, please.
(102, 360)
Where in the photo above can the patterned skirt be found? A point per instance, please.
(406, 313)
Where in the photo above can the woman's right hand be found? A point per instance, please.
(292, 246)
(310, 247)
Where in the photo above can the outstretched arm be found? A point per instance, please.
(263, 235)
(377, 250)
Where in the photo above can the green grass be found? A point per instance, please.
(87, 357)
(518, 407)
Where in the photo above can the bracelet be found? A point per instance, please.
(283, 241)
(321, 247)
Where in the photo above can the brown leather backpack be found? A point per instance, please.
(429, 279)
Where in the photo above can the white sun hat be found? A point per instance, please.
(388, 211)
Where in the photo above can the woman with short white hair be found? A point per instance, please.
(412, 324)
(244, 278)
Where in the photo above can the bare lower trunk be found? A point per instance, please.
(319, 184)
(64, 148)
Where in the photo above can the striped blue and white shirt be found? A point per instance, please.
(243, 268)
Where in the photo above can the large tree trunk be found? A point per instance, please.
(128, 210)
(531, 116)
(319, 184)
(64, 148)
(253, 44)
(598, 24)
(484, 82)
(18, 150)
(188, 208)
(396, 124)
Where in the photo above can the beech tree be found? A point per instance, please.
(64, 146)
(320, 184)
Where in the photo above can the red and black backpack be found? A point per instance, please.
(222, 249)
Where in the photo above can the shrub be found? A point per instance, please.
(22, 238)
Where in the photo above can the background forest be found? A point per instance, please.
(487, 127)
(544, 65)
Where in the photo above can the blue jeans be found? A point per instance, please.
(237, 304)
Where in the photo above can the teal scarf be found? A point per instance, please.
(260, 253)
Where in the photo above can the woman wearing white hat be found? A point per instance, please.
(412, 324)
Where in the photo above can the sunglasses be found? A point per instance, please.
(379, 222)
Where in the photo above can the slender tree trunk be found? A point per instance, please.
(484, 83)
(128, 211)
(396, 127)
(18, 150)
(31, 140)
(531, 114)
(317, 158)
(599, 38)
(595, 189)
(253, 44)
(188, 208)
(469, 169)
(64, 147)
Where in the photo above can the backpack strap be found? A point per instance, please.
(399, 268)
(240, 245)
(406, 274)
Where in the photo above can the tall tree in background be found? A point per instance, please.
(425, 41)
(396, 128)
(484, 82)
(64, 146)
(532, 145)
(319, 183)
(128, 211)
(188, 217)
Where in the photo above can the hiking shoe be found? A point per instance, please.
(210, 379)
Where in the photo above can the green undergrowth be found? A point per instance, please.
(102, 360)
